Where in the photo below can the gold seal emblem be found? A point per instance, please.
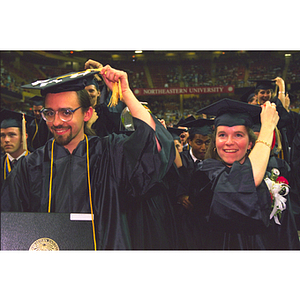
(44, 244)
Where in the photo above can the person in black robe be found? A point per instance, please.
(264, 91)
(108, 117)
(78, 173)
(105, 119)
(294, 134)
(200, 131)
(37, 129)
(232, 203)
(151, 218)
(12, 138)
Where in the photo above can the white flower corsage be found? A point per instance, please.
(278, 187)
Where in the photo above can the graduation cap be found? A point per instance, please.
(200, 126)
(10, 118)
(248, 95)
(230, 113)
(175, 131)
(74, 81)
(264, 84)
(92, 81)
(37, 100)
(183, 121)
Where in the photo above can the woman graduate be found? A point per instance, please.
(74, 172)
(232, 202)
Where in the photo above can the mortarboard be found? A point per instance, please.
(256, 127)
(37, 100)
(248, 95)
(92, 81)
(183, 121)
(74, 81)
(230, 113)
(200, 126)
(175, 132)
(265, 84)
(10, 118)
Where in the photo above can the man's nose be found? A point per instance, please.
(57, 121)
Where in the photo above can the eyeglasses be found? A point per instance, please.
(65, 114)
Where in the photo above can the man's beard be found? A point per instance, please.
(63, 139)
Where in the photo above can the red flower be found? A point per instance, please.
(281, 179)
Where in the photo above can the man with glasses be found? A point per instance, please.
(78, 173)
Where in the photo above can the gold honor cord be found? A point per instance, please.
(89, 185)
(51, 175)
(90, 191)
(36, 130)
(7, 166)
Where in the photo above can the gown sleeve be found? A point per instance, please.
(236, 202)
(145, 166)
(14, 191)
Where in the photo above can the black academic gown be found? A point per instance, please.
(7, 166)
(230, 212)
(187, 161)
(38, 133)
(121, 167)
(108, 117)
(187, 234)
(151, 219)
(284, 125)
(294, 137)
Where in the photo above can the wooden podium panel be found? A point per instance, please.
(45, 231)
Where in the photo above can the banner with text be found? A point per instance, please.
(186, 90)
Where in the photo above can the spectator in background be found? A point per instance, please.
(200, 131)
(38, 132)
(249, 97)
(12, 137)
(264, 90)
(105, 120)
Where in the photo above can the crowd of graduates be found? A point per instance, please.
(154, 186)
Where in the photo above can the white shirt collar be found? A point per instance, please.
(12, 158)
(192, 155)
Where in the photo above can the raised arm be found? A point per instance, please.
(110, 76)
(260, 154)
(281, 90)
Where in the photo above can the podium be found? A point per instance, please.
(46, 231)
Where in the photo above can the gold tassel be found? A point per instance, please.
(24, 133)
(116, 92)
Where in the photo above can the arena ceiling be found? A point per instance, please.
(47, 57)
